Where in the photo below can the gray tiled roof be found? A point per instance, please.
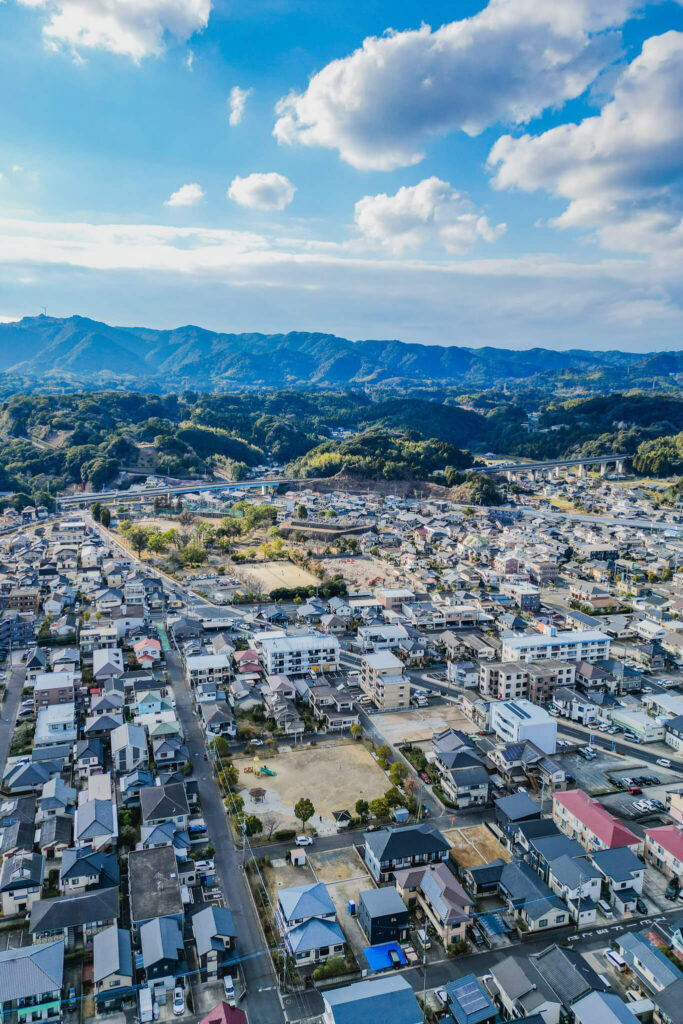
(31, 970)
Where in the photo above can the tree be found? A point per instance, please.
(194, 554)
(398, 772)
(138, 537)
(234, 803)
(157, 543)
(105, 517)
(301, 512)
(384, 755)
(363, 809)
(304, 810)
(221, 746)
(96, 511)
(252, 825)
(357, 731)
(270, 823)
(379, 808)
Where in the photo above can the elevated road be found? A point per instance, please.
(550, 464)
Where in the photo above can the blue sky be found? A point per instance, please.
(506, 174)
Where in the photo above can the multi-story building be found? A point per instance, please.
(525, 595)
(31, 980)
(514, 721)
(208, 668)
(664, 849)
(382, 679)
(580, 817)
(503, 680)
(570, 645)
(25, 599)
(298, 655)
(53, 688)
(546, 676)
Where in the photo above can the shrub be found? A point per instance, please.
(283, 835)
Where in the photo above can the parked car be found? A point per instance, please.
(178, 1001)
(635, 790)
(663, 762)
(641, 907)
(197, 830)
(371, 828)
(256, 742)
(71, 999)
(671, 891)
(304, 841)
(605, 909)
(442, 996)
(229, 989)
(425, 778)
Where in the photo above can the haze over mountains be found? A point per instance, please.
(81, 351)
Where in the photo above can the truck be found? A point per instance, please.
(146, 1005)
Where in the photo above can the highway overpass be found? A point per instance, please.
(513, 470)
(67, 501)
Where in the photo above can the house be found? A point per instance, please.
(214, 935)
(548, 983)
(307, 918)
(21, 880)
(390, 849)
(147, 652)
(664, 849)
(218, 719)
(667, 1004)
(468, 1002)
(55, 798)
(581, 817)
(96, 824)
(88, 756)
(203, 668)
(163, 953)
(129, 748)
(510, 810)
(300, 903)
(75, 918)
(165, 803)
(53, 688)
(623, 873)
(443, 900)
(603, 1008)
(653, 970)
(55, 724)
(83, 869)
(31, 982)
(113, 972)
(154, 886)
(530, 898)
(107, 663)
(18, 837)
(372, 1002)
(383, 915)
(55, 835)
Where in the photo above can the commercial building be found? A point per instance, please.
(644, 728)
(382, 679)
(571, 645)
(514, 721)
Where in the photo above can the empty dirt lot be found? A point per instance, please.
(419, 724)
(475, 845)
(359, 571)
(272, 575)
(332, 775)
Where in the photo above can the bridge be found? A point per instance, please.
(73, 501)
(554, 467)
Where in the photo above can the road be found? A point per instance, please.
(261, 998)
(609, 743)
(10, 708)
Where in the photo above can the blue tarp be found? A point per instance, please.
(378, 956)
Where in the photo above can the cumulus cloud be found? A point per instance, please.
(622, 170)
(187, 195)
(431, 211)
(380, 106)
(262, 191)
(131, 28)
(237, 102)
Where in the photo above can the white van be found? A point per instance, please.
(145, 1004)
(615, 960)
(423, 938)
(229, 989)
(605, 909)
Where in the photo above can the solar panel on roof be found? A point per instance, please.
(471, 998)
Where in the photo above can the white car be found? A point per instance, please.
(256, 742)
(442, 996)
(229, 989)
(178, 1001)
(304, 841)
(663, 762)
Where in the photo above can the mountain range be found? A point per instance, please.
(82, 352)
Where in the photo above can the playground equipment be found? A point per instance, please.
(258, 769)
(266, 771)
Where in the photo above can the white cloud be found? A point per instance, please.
(189, 60)
(236, 102)
(282, 284)
(186, 195)
(431, 211)
(380, 106)
(622, 170)
(262, 191)
(131, 28)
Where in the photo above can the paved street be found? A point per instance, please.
(262, 1000)
(10, 707)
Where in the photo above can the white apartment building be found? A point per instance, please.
(570, 645)
(208, 668)
(515, 721)
(381, 638)
(382, 679)
(298, 655)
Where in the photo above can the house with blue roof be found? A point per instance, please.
(113, 973)
(624, 874)
(31, 981)
(469, 1003)
(215, 936)
(163, 952)
(299, 903)
(651, 967)
(308, 921)
(377, 1001)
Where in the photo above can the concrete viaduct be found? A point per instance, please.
(554, 467)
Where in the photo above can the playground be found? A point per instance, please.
(332, 775)
(272, 575)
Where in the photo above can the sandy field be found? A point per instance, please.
(337, 865)
(418, 724)
(272, 575)
(358, 571)
(475, 845)
(332, 775)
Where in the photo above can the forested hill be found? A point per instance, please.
(43, 351)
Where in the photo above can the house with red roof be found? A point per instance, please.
(580, 817)
(664, 849)
(223, 1013)
(147, 652)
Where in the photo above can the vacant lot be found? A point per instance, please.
(333, 776)
(475, 845)
(359, 571)
(337, 865)
(272, 575)
(419, 724)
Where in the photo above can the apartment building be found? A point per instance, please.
(580, 817)
(382, 679)
(298, 655)
(570, 645)
(664, 849)
(545, 677)
(53, 688)
(503, 680)
(515, 721)
(25, 599)
(208, 668)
